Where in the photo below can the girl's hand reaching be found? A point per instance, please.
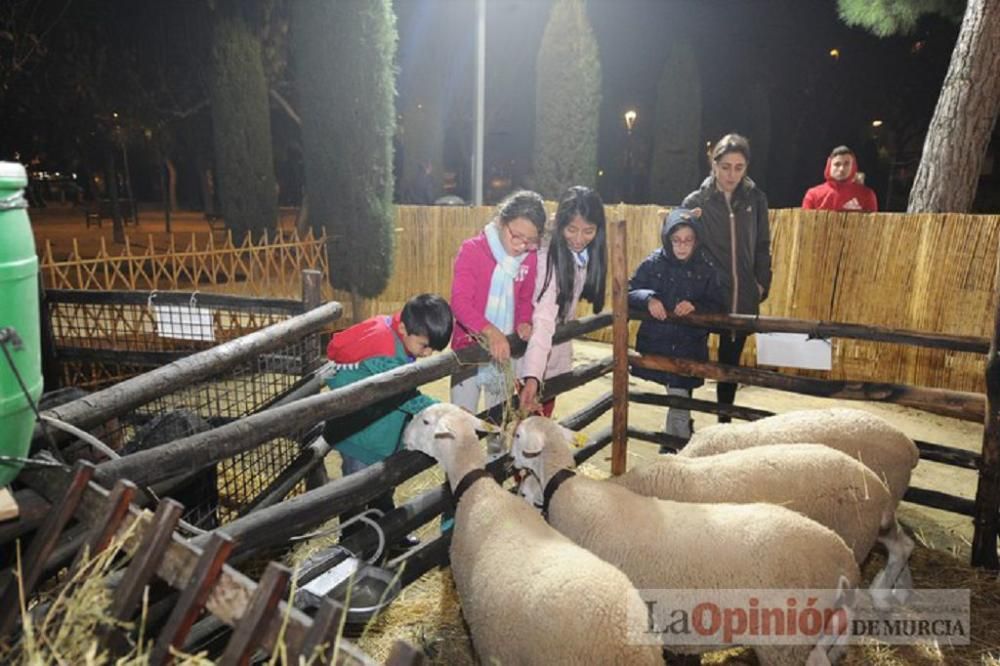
(684, 308)
(529, 396)
(499, 347)
(524, 331)
(656, 309)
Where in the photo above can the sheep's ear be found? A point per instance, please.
(575, 439)
(486, 428)
(444, 429)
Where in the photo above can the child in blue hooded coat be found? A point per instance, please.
(676, 280)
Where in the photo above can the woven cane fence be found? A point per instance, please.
(929, 272)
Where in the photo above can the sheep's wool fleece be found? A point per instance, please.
(885, 449)
(663, 544)
(821, 483)
(531, 596)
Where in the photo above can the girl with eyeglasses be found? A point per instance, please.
(675, 281)
(572, 265)
(491, 292)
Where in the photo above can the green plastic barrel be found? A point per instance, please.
(18, 320)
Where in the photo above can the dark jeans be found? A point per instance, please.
(383, 502)
(730, 349)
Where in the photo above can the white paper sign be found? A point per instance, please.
(794, 350)
(184, 322)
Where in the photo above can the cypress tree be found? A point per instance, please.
(241, 122)
(344, 55)
(568, 101)
(678, 162)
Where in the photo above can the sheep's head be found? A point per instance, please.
(441, 421)
(541, 447)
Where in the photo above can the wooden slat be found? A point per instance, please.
(33, 564)
(957, 404)
(259, 613)
(987, 522)
(201, 299)
(619, 304)
(104, 530)
(326, 628)
(649, 398)
(826, 329)
(147, 558)
(193, 597)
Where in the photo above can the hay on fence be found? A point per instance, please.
(64, 625)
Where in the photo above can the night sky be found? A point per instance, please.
(780, 47)
(774, 51)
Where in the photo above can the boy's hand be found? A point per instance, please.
(529, 396)
(696, 212)
(524, 331)
(684, 308)
(656, 309)
(499, 347)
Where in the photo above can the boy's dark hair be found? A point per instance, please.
(428, 315)
(841, 150)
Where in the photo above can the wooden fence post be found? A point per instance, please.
(312, 283)
(312, 297)
(987, 520)
(619, 328)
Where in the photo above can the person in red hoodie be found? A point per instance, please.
(841, 191)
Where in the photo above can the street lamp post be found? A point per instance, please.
(630, 117)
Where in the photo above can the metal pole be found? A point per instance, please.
(477, 155)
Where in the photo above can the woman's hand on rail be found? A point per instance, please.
(656, 309)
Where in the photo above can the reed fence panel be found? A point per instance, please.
(932, 272)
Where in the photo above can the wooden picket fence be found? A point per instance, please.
(267, 267)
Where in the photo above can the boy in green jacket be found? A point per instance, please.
(373, 346)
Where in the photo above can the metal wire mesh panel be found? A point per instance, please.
(103, 337)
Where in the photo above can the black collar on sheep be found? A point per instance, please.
(467, 482)
(552, 486)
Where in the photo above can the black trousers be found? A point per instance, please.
(730, 350)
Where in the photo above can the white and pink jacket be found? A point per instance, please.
(542, 360)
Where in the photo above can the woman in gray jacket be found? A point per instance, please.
(736, 240)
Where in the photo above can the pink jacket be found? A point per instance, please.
(542, 360)
(470, 288)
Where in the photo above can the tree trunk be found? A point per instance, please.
(964, 118)
(171, 182)
(111, 178)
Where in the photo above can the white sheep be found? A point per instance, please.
(529, 594)
(885, 449)
(882, 447)
(660, 544)
(820, 483)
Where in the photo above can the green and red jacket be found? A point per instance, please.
(372, 433)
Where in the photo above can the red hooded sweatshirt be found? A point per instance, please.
(847, 194)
